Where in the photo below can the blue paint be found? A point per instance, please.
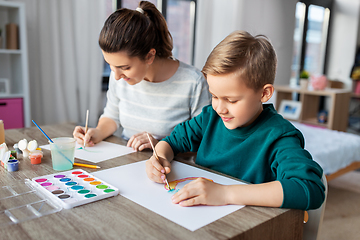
(65, 180)
(173, 190)
(70, 183)
(77, 187)
(13, 165)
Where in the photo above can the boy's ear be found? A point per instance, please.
(149, 59)
(267, 92)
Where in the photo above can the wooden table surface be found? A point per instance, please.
(119, 218)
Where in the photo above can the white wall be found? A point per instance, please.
(343, 39)
(273, 18)
(276, 19)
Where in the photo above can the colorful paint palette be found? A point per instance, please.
(74, 188)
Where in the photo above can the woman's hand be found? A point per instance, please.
(201, 192)
(156, 171)
(91, 138)
(140, 141)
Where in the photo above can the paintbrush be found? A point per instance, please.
(50, 140)
(86, 124)
(157, 157)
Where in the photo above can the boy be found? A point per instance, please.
(240, 136)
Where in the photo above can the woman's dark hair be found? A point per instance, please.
(136, 33)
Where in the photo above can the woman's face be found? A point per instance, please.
(131, 69)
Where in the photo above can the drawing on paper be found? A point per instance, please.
(87, 150)
(174, 183)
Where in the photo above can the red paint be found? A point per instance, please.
(76, 172)
(41, 180)
(83, 176)
(35, 158)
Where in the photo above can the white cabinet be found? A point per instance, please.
(14, 67)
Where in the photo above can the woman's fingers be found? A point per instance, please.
(140, 141)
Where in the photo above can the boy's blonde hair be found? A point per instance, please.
(252, 58)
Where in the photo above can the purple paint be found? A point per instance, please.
(46, 184)
(59, 176)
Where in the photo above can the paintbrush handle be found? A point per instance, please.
(52, 142)
(157, 158)
(42, 131)
(86, 124)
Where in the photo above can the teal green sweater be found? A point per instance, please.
(269, 149)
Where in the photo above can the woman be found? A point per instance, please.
(149, 90)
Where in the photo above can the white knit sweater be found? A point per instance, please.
(157, 107)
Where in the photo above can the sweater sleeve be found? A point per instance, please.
(111, 109)
(298, 174)
(186, 137)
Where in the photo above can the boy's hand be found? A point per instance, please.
(140, 141)
(156, 170)
(92, 136)
(201, 192)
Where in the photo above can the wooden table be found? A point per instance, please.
(119, 218)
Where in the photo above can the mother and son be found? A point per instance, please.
(237, 134)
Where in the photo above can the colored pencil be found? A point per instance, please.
(157, 157)
(86, 124)
(86, 165)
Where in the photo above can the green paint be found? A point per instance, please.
(90, 195)
(84, 191)
(87, 150)
(109, 190)
(101, 186)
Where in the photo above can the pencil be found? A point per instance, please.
(157, 157)
(86, 124)
(86, 165)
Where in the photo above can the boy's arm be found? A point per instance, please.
(265, 194)
(205, 192)
(156, 170)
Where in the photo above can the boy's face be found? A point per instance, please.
(234, 102)
(131, 69)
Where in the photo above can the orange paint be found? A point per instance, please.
(95, 183)
(89, 179)
(35, 158)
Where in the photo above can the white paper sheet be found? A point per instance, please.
(133, 183)
(99, 152)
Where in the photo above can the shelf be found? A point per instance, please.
(14, 63)
(338, 111)
(10, 51)
(12, 95)
(314, 121)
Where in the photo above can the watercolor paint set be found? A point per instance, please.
(74, 188)
(49, 194)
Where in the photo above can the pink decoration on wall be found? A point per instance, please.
(318, 82)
